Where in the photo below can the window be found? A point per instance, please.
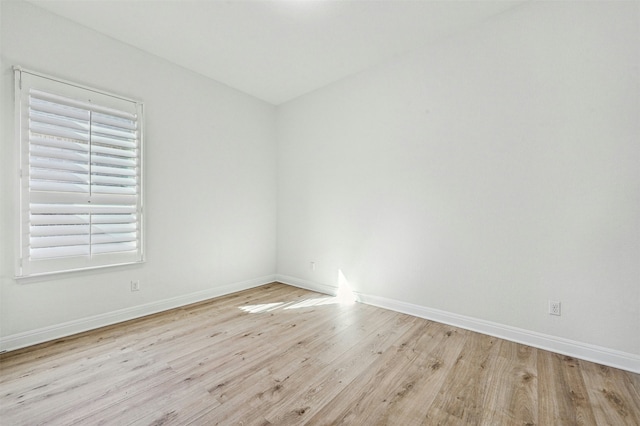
(80, 177)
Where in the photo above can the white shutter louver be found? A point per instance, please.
(82, 189)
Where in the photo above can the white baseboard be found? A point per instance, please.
(45, 334)
(307, 285)
(598, 354)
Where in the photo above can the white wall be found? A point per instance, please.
(480, 176)
(210, 183)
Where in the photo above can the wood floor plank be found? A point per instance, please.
(419, 386)
(278, 355)
(64, 397)
(562, 394)
(220, 370)
(163, 404)
(395, 381)
(347, 338)
(511, 391)
(277, 368)
(373, 386)
(461, 399)
(613, 397)
(320, 381)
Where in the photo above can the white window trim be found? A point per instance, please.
(25, 267)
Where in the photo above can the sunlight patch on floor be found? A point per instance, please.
(262, 307)
(344, 296)
(319, 301)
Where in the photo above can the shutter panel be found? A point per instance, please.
(114, 164)
(61, 230)
(82, 191)
(59, 146)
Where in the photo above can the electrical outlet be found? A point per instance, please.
(312, 266)
(554, 308)
(135, 285)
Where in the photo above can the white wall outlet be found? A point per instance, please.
(135, 285)
(312, 266)
(554, 308)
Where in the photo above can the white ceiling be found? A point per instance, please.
(277, 50)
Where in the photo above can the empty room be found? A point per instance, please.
(289, 212)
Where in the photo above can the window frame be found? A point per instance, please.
(95, 100)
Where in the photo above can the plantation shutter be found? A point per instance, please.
(81, 177)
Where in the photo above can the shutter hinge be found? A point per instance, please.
(18, 72)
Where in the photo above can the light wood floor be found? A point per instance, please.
(284, 356)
